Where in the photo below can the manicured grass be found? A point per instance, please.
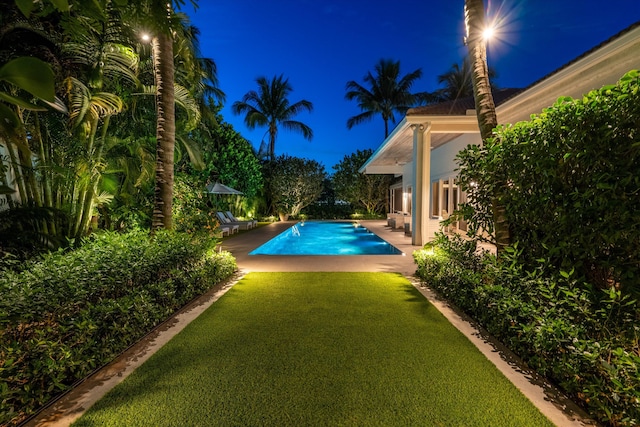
(299, 349)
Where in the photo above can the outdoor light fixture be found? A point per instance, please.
(145, 37)
(488, 33)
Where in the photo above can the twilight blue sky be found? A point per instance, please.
(320, 45)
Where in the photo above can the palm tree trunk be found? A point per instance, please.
(85, 199)
(272, 141)
(165, 132)
(96, 173)
(485, 107)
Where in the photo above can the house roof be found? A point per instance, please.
(459, 107)
(448, 120)
(587, 53)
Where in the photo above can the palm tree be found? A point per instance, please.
(165, 132)
(270, 107)
(159, 16)
(485, 107)
(387, 94)
(458, 82)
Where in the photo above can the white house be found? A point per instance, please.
(422, 147)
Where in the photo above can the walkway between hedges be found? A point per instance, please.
(558, 410)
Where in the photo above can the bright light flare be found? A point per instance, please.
(488, 33)
(145, 37)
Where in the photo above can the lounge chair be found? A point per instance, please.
(224, 230)
(396, 220)
(224, 221)
(229, 215)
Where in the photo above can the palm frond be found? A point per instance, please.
(184, 99)
(194, 151)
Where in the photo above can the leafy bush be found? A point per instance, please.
(71, 313)
(571, 193)
(365, 191)
(193, 211)
(581, 337)
(293, 183)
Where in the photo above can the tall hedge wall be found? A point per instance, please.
(570, 181)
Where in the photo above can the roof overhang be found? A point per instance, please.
(397, 149)
(605, 64)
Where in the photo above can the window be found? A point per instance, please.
(396, 200)
(435, 199)
(445, 199)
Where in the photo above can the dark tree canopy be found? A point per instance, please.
(362, 190)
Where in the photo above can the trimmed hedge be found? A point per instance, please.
(583, 338)
(572, 185)
(71, 313)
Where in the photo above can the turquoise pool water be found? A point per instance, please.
(326, 238)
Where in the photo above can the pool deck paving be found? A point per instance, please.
(561, 411)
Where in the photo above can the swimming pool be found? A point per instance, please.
(326, 238)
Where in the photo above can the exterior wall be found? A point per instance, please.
(443, 158)
(443, 166)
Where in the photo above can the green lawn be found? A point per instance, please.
(300, 349)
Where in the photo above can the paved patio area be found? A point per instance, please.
(241, 245)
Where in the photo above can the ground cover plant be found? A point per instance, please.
(583, 339)
(293, 349)
(72, 312)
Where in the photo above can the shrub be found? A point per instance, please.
(581, 337)
(193, 210)
(293, 183)
(70, 313)
(572, 185)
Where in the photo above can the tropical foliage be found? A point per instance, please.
(362, 190)
(228, 158)
(572, 180)
(385, 92)
(89, 157)
(73, 312)
(583, 339)
(270, 107)
(294, 183)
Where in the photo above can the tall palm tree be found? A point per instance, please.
(458, 82)
(159, 17)
(485, 108)
(270, 107)
(166, 130)
(387, 94)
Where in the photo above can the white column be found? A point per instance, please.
(421, 188)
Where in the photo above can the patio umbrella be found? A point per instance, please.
(217, 188)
